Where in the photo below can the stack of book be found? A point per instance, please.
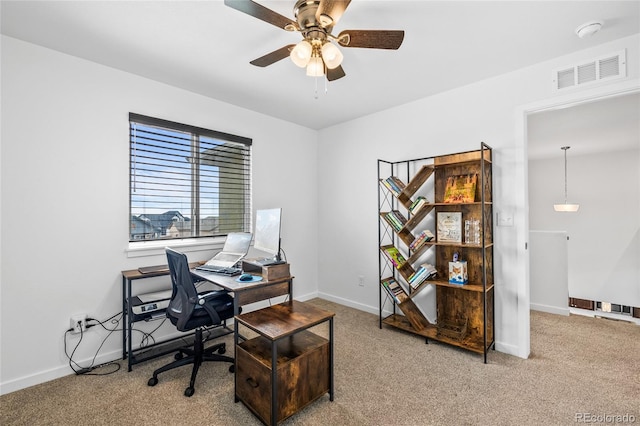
(394, 290)
(425, 272)
(395, 219)
(418, 203)
(395, 256)
(394, 184)
(422, 238)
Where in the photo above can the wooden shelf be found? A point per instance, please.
(465, 313)
(431, 332)
(464, 287)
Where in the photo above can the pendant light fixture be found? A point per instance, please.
(566, 207)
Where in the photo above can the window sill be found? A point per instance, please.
(156, 248)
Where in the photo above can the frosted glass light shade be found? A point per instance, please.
(566, 207)
(315, 68)
(301, 53)
(332, 55)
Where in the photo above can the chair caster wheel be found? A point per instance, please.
(222, 350)
(189, 391)
(232, 368)
(152, 381)
(178, 356)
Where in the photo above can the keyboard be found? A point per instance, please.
(218, 270)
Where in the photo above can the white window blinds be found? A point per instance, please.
(186, 181)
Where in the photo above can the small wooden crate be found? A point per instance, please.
(455, 330)
(269, 273)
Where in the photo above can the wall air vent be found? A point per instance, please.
(614, 308)
(606, 67)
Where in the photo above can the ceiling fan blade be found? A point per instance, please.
(258, 11)
(273, 57)
(336, 73)
(332, 9)
(372, 39)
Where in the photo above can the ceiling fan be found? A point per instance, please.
(315, 20)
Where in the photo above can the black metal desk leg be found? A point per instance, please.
(129, 325)
(331, 359)
(235, 355)
(124, 314)
(274, 384)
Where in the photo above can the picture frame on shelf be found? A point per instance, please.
(461, 189)
(449, 227)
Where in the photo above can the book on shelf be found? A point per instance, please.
(417, 204)
(395, 219)
(449, 226)
(425, 271)
(394, 184)
(394, 290)
(461, 189)
(394, 255)
(423, 237)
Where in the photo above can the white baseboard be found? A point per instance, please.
(57, 372)
(65, 370)
(350, 303)
(550, 309)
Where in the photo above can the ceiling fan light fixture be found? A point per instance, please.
(315, 67)
(301, 53)
(331, 55)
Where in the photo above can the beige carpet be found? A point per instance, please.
(578, 367)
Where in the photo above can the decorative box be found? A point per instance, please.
(458, 272)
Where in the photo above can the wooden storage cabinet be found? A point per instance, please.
(286, 366)
(465, 313)
(303, 355)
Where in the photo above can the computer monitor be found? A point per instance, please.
(267, 234)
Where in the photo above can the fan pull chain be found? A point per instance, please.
(315, 94)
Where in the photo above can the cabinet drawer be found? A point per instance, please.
(302, 373)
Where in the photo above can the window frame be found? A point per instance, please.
(138, 247)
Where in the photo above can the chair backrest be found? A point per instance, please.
(184, 297)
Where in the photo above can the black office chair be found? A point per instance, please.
(189, 310)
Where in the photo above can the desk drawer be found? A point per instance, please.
(302, 373)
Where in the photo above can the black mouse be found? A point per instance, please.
(245, 277)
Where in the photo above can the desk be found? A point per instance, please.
(285, 367)
(244, 293)
(129, 318)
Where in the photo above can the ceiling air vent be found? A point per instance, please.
(606, 67)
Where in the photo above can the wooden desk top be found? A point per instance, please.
(152, 271)
(284, 319)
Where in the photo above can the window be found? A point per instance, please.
(186, 182)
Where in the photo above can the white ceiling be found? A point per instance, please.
(611, 124)
(205, 47)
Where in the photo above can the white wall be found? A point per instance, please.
(604, 234)
(549, 273)
(458, 120)
(64, 177)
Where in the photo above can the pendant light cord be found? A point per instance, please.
(565, 148)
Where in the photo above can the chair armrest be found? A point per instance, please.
(202, 301)
(210, 294)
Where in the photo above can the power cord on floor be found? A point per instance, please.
(146, 340)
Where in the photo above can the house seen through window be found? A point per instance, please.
(185, 181)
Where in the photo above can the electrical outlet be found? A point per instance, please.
(78, 323)
(361, 280)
